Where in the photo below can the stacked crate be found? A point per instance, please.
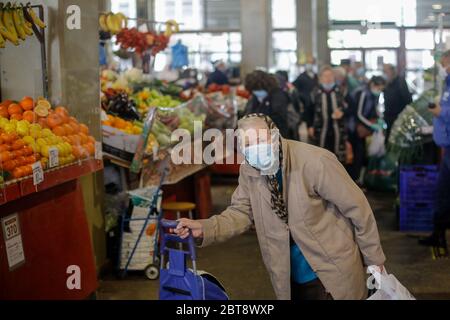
(417, 197)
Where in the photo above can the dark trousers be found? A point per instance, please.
(442, 214)
(359, 155)
(313, 290)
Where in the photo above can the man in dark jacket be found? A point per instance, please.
(441, 135)
(396, 96)
(306, 83)
(269, 99)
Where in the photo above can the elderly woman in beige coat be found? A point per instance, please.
(315, 227)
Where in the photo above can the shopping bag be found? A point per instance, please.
(376, 147)
(388, 287)
(381, 174)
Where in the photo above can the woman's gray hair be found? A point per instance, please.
(250, 119)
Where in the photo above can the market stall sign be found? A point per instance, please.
(13, 241)
(38, 173)
(53, 160)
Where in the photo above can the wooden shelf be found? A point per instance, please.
(14, 190)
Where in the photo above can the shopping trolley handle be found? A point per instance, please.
(172, 224)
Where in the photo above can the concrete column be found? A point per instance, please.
(322, 26)
(305, 30)
(256, 34)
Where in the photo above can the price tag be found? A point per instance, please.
(13, 240)
(53, 157)
(98, 150)
(38, 173)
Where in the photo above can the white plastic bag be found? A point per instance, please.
(376, 147)
(388, 287)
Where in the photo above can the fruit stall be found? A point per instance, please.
(129, 96)
(44, 151)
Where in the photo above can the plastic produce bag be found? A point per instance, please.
(376, 147)
(388, 287)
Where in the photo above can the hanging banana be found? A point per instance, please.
(27, 26)
(2, 41)
(18, 23)
(36, 20)
(171, 27)
(123, 20)
(102, 23)
(7, 28)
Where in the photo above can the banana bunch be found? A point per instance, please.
(16, 23)
(112, 22)
(171, 27)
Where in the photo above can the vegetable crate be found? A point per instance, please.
(416, 217)
(417, 186)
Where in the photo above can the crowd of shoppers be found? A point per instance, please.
(340, 106)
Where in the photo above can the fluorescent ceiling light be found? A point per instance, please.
(437, 6)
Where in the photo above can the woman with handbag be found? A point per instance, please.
(362, 121)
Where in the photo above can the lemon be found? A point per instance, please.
(46, 132)
(28, 139)
(22, 131)
(42, 142)
(68, 147)
(13, 122)
(35, 132)
(36, 148)
(44, 151)
(3, 122)
(9, 128)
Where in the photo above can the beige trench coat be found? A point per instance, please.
(330, 220)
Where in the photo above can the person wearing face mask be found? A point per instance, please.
(362, 121)
(441, 135)
(268, 98)
(396, 96)
(315, 228)
(307, 82)
(325, 117)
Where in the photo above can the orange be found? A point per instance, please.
(5, 156)
(30, 116)
(84, 128)
(8, 137)
(54, 120)
(75, 140)
(21, 161)
(42, 122)
(5, 147)
(83, 138)
(66, 139)
(18, 173)
(18, 144)
(91, 139)
(4, 111)
(28, 151)
(44, 103)
(16, 116)
(31, 159)
(75, 126)
(27, 170)
(27, 103)
(9, 165)
(62, 111)
(68, 128)
(6, 103)
(41, 111)
(90, 148)
(59, 131)
(14, 108)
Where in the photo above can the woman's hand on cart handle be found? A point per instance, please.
(186, 225)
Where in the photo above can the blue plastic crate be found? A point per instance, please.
(416, 217)
(418, 184)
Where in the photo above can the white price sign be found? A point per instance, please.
(98, 150)
(53, 157)
(13, 240)
(38, 173)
